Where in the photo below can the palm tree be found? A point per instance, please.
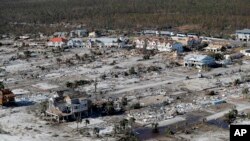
(124, 101)
(87, 122)
(168, 132)
(236, 82)
(77, 57)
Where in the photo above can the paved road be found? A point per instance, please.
(178, 79)
(239, 107)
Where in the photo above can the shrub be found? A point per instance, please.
(231, 116)
(146, 57)
(211, 93)
(132, 70)
(135, 106)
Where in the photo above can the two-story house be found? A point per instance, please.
(243, 35)
(68, 103)
(161, 44)
(75, 42)
(199, 61)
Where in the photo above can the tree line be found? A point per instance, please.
(219, 15)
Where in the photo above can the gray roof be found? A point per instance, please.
(166, 32)
(105, 39)
(79, 30)
(150, 31)
(244, 31)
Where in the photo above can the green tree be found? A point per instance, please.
(231, 115)
(27, 54)
(124, 101)
(70, 85)
(236, 82)
(132, 70)
(217, 56)
(155, 127)
(168, 132)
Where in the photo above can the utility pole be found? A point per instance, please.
(145, 47)
(95, 84)
(247, 39)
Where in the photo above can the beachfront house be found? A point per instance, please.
(199, 61)
(75, 42)
(243, 35)
(57, 42)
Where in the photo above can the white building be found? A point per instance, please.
(181, 35)
(150, 32)
(106, 42)
(243, 35)
(75, 42)
(160, 44)
(166, 33)
(93, 35)
(170, 46)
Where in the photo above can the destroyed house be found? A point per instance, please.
(6, 97)
(215, 48)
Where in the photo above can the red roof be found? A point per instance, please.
(57, 40)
